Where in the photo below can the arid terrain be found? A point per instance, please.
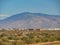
(29, 22)
(47, 43)
(29, 37)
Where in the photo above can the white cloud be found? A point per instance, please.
(2, 16)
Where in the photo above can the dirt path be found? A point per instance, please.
(47, 43)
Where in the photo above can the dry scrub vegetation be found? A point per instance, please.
(29, 37)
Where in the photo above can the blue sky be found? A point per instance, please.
(10, 7)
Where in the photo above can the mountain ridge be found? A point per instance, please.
(31, 20)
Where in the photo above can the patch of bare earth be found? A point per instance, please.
(47, 43)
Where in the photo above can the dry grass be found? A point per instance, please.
(29, 37)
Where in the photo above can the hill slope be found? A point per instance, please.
(31, 20)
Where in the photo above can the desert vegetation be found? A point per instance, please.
(26, 37)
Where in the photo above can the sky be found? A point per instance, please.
(11, 7)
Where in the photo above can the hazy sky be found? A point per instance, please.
(10, 7)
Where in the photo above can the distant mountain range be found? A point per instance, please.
(31, 20)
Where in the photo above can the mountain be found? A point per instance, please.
(31, 20)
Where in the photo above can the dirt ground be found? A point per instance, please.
(47, 43)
